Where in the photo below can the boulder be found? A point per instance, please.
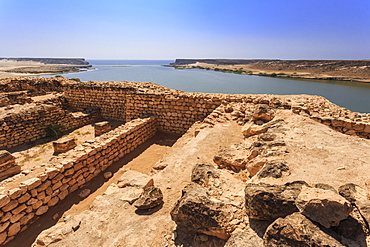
(198, 212)
(150, 198)
(262, 113)
(323, 206)
(231, 158)
(269, 202)
(244, 239)
(359, 199)
(202, 172)
(353, 192)
(297, 230)
(274, 169)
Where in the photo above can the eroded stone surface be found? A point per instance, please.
(269, 202)
(323, 206)
(297, 230)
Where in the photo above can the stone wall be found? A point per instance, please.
(26, 123)
(22, 204)
(176, 111)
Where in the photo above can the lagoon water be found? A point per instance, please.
(351, 95)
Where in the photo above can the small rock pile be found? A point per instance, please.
(293, 214)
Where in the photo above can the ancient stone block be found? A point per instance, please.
(101, 128)
(8, 165)
(32, 183)
(63, 145)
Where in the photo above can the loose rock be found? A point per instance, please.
(323, 206)
(150, 198)
(269, 202)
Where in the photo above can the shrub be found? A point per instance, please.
(76, 79)
(53, 130)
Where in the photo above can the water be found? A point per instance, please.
(351, 95)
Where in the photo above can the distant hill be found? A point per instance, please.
(220, 61)
(69, 61)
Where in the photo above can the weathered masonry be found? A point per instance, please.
(30, 198)
(145, 107)
(175, 110)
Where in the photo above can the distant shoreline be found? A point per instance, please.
(342, 70)
(14, 67)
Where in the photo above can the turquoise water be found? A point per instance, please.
(351, 95)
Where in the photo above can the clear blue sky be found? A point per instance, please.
(164, 29)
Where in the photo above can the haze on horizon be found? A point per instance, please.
(163, 29)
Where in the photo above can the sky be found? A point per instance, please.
(164, 29)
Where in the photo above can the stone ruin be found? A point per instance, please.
(32, 106)
(64, 145)
(8, 165)
(101, 128)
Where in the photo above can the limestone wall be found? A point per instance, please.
(22, 124)
(176, 111)
(23, 203)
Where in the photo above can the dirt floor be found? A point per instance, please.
(142, 160)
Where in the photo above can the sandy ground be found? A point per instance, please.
(11, 64)
(36, 67)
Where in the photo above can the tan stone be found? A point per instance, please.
(63, 145)
(25, 219)
(3, 237)
(24, 198)
(323, 206)
(32, 183)
(6, 217)
(53, 201)
(4, 225)
(12, 204)
(19, 209)
(16, 217)
(4, 199)
(63, 194)
(37, 205)
(42, 210)
(14, 229)
(44, 185)
(15, 193)
(135, 179)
